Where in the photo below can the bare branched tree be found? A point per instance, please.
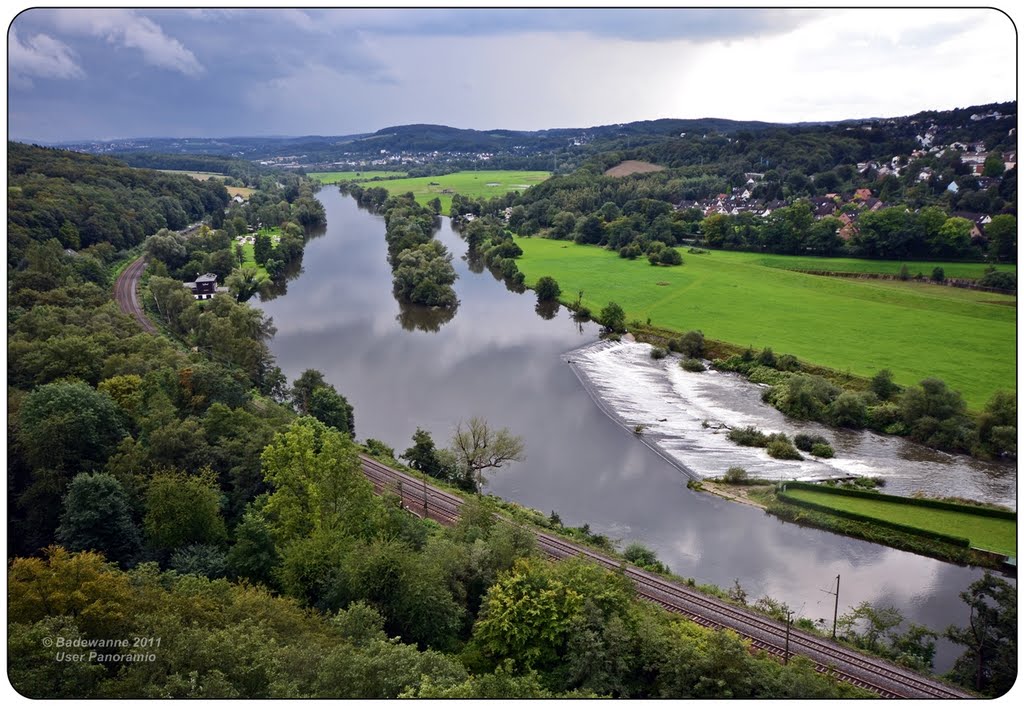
(478, 447)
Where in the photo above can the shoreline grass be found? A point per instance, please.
(991, 534)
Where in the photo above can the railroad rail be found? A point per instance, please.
(871, 673)
(126, 292)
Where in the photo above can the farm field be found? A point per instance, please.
(482, 184)
(958, 270)
(198, 176)
(989, 533)
(917, 330)
(365, 175)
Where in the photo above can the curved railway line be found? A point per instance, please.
(126, 292)
(870, 673)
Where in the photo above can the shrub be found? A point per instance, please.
(767, 376)
(822, 451)
(904, 273)
(692, 365)
(804, 442)
(644, 558)
(766, 357)
(883, 386)
(749, 436)
(379, 448)
(671, 257)
(1000, 280)
(850, 409)
(547, 289)
(787, 363)
(613, 318)
(782, 448)
(691, 344)
(736, 474)
(658, 353)
(805, 397)
(938, 275)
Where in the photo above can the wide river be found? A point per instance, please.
(498, 358)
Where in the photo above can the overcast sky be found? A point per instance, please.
(78, 74)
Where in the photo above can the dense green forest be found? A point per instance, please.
(183, 522)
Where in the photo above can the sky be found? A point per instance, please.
(81, 74)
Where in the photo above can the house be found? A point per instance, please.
(953, 187)
(238, 198)
(205, 286)
(862, 194)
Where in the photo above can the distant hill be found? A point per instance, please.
(544, 149)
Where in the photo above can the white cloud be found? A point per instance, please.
(40, 56)
(131, 30)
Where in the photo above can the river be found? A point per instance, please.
(498, 358)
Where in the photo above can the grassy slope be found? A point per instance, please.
(989, 533)
(335, 177)
(916, 330)
(471, 184)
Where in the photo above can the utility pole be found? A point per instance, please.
(835, 613)
(789, 621)
(425, 499)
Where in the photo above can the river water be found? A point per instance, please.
(500, 358)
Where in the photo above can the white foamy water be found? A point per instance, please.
(685, 417)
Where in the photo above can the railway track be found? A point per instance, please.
(870, 673)
(126, 292)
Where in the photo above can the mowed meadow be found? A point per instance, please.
(475, 185)
(335, 177)
(967, 338)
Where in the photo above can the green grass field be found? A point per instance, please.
(989, 533)
(482, 184)
(917, 330)
(335, 177)
(958, 270)
(249, 250)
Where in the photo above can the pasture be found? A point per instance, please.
(475, 184)
(361, 176)
(989, 533)
(957, 270)
(915, 329)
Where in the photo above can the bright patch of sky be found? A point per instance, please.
(79, 73)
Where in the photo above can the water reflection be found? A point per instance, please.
(547, 310)
(416, 317)
(502, 361)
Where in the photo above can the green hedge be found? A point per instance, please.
(899, 499)
(948, 539)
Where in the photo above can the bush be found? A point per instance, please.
(1000, 280)
(658, 353)
(787, 362)
(904, 273)
(883, 386)
(822, 451)
(938, 275)
(547, 289)
(804, 442)
(692, 365)
(782, 448)
(736, 474)
(766, 358)
(749, 436)
(613, 318)
(805, 397)
(850, 409)
(691, 344)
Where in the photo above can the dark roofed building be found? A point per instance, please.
(205, 286)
